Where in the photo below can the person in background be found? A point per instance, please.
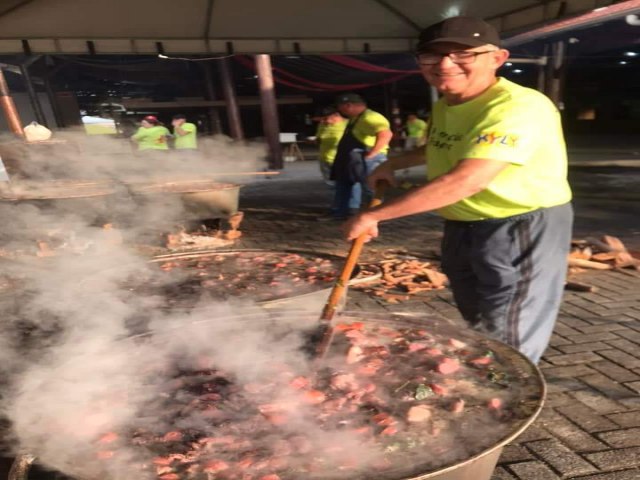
(416, 130)
(184, 133)
(328, 134)
(152, 135)
(497, 169)
(362, 147)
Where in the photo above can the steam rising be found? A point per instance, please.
(73, 371)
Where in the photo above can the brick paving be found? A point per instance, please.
(589, 428)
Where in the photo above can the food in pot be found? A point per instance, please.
(389, 402)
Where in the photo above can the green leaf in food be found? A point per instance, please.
(423, 392)
(499, 378)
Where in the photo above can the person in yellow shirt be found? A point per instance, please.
(497, 169)
(363, 146)
(151, 136)
(184, 133)
(328, 134)
(416, 130)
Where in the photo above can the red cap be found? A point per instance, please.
(150, 119)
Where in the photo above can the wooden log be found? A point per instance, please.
(580, 287)
(603, 257)
(615, 243)
(578, 262)
(436, 278)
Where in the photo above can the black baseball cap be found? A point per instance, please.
(326, 111)
(470, 31)
(349, 98)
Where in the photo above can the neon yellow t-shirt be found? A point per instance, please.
(329, 136)
(188, 141)
(152, 138)
(368, 125)
(417, 128)
(512, 124)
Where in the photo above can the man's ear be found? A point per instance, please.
(500, 57)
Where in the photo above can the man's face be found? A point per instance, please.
(458, 78)
(411, 118)
(146, 124)
(349, 110)
(178, 122)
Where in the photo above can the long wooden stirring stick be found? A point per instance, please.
(340, 286)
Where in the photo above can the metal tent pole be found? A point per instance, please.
(9, 107)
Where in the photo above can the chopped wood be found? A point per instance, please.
(436, 278)
(578, 262)
(402, 277)
(615, 243)
(603, 256)
(580, 287)
(581, 253)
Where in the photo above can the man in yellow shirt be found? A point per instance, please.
(330, 130)
(416, 132)
(363, 146)
(185, 134)
(497, 169)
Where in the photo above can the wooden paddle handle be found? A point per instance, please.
(354, 252)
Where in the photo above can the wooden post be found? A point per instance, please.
(9, 107)
(55, 108)
(214, 115)
(229, 92)
(269, 110)
(33, 95)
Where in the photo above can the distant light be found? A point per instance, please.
(162, 56)
(622, 62)
(517, 70)
(599, 9)
(508, 64)
(574, 40)
(293, 57)
(630, 54)
(452, 11)
(255, 76)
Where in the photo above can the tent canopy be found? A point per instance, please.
(251, 26)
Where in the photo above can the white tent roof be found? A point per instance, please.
(251, 26)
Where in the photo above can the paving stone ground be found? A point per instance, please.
(589, 428)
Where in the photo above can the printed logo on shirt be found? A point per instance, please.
(443, 140)
(493, 138)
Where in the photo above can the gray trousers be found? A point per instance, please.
(508, 275)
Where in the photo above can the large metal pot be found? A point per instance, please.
(480, 464)
(86, 198)
(306, 301)
(202, 198)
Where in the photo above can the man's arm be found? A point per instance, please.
(469, 177)
(385, 171)
(382, 140)
(181, 131)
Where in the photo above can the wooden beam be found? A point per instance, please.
(198, 103)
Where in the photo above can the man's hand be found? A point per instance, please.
(383, 173)
(363, 223)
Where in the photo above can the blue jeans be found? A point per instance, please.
(348, 195)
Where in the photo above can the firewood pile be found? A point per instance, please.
(606, 253)
(404, 276)
(206, 238)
